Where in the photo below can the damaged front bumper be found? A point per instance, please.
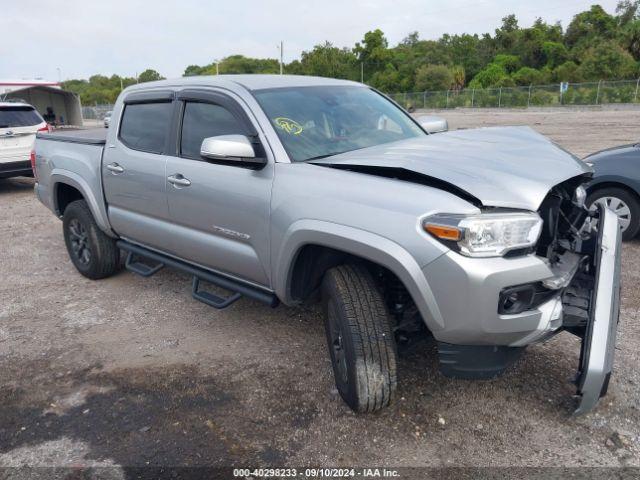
(602, 303)
(579, 293)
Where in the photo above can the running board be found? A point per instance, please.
(238, 288)
(212, 299)
(141, 268)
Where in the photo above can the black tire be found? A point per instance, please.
(361, 345)
(94, 254)
(629, 199)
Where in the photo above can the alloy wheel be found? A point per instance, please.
(79, 238)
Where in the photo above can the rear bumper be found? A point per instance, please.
(20, 168)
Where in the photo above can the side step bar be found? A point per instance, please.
(239, 289)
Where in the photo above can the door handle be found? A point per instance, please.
(115, 168)
(178, 180)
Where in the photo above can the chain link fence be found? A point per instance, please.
(588, 93)
(96, 112)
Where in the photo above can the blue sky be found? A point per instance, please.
(83, 37)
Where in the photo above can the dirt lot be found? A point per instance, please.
(132, 372)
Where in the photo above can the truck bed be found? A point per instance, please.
(93, 136)
(75, 155)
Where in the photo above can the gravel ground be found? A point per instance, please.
(132, 372)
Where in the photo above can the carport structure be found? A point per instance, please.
(57, 106)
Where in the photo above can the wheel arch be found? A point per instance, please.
(311, 247)
(69, 186)
(613, 182)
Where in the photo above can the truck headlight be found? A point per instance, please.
(487, 234)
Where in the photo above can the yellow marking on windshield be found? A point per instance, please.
(288, 125)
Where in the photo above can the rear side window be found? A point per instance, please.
(144, 126)
(202, 120)
(19, 116)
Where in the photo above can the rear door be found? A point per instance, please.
(18, 127)
(134, 168)
(221, 218)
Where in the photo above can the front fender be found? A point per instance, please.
(370, 246)
(96, 205)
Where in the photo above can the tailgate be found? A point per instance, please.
(598, 343)
(16, 143)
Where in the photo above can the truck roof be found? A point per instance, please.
(249, 81)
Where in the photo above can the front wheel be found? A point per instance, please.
(623, 203)
(359, 337)
(93, 253)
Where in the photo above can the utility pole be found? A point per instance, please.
(361, 72)
(217, 68)
(281, 55)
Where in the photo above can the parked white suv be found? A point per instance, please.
(19, 123)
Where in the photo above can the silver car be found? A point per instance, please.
(107, 119)
(300, 189)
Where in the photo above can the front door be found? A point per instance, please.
(220, 211)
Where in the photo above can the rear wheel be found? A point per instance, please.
(359, 338)
(94, 254)
(623, 203)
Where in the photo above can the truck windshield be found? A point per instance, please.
(317, 122)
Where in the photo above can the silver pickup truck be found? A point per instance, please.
(299, 189)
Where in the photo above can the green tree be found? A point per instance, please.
(469, 51)
(459, 77)
(627, 11)
(494, 75)
(373, 48)
(325, 60)
(193, 70)
(434, 77)
(589, 25)
(630, 38)
(567, 72)
(509, 63)
(528, 76)
(555, 54)
(149, 75)
(607, 60)
(386, 80)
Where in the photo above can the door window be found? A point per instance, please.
(203, 120)
(144, 126)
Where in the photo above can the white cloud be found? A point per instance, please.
(126, 36)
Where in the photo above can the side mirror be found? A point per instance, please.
(433, 124)
(231, 148)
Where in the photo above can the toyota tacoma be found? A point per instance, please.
(293, 189)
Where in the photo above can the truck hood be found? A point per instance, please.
(513, 167)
